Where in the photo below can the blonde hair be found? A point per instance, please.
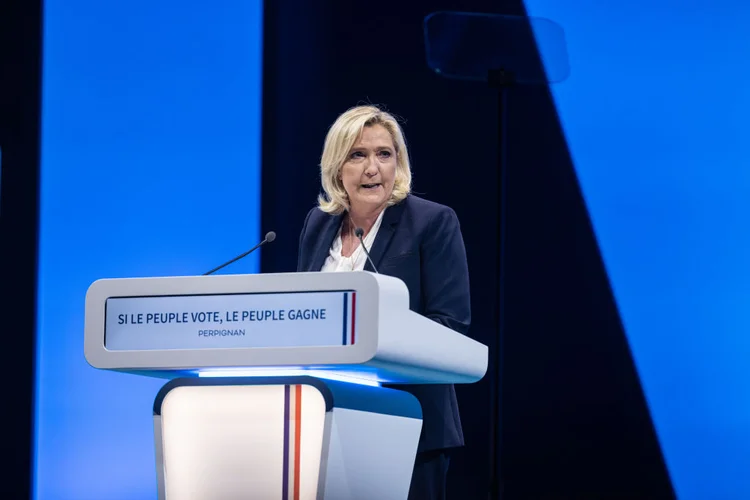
(339, 141)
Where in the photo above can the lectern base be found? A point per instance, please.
(288, 438)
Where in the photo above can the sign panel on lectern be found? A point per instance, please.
(227, 321)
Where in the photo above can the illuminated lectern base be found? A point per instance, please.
(288, 438)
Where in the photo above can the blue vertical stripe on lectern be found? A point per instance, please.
(285, 474)
(346, 307)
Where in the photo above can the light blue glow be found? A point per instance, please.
(353, 377)
(655, 113)
(150, 167)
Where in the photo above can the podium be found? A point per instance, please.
(274, 380)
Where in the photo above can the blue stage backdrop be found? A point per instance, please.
(150, 167)
(655, 114)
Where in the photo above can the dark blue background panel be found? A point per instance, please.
(150, 167)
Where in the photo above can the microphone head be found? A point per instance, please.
(359, 232)
(270, 236)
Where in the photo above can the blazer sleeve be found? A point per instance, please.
(445, 273)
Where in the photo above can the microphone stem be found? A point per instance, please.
(235, 259)
(367, 254)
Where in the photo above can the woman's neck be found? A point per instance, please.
(365, 220)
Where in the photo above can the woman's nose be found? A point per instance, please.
(371, 168)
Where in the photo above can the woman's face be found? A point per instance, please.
(369, 172)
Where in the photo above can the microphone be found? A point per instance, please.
(359, 232)
(270, 236)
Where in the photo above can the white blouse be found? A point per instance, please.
(335, 262)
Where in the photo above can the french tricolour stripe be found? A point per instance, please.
(350, 309)
(292, 433)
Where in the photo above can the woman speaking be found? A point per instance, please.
(366, 179)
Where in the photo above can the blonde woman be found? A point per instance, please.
(366, 181)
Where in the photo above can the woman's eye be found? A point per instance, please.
(385, 154)
(357, 154)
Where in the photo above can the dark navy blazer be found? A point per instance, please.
(419, 242)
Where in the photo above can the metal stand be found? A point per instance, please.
(502, 80)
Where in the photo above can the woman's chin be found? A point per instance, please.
(369, 201)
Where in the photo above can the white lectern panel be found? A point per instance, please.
(270, 418)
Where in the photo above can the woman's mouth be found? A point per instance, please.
(371, 186)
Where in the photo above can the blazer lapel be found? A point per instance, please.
(324, 242)
(391, 218)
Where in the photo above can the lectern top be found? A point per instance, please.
(355, 323)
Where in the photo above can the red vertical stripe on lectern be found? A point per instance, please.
(297, 435)
(354, 311)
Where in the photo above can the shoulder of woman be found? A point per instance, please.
(316, 216)
(431, 211)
